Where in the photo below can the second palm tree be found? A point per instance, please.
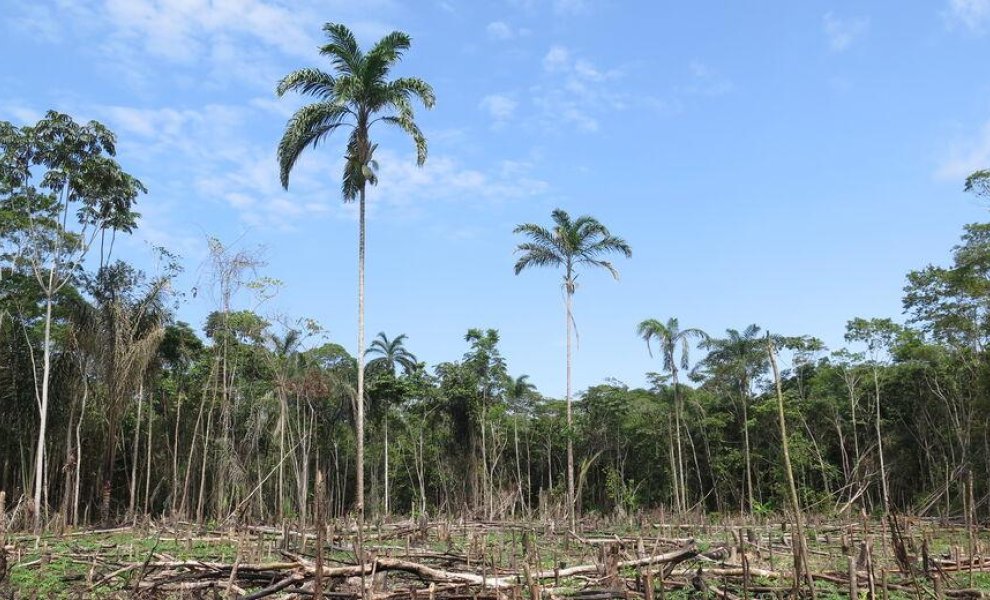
(569, 244)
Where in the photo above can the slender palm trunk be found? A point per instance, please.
(360, 393)
(386, 464)
(682, 500)
(359, 503)
(570, 438)
(749, 465)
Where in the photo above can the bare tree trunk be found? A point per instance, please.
(147, 466)
(386, 464)
(136, 453)
(883, 467)
(682, 500)
(360, 392)
(570, 420)
(75, 487)
(175, 454)
(801, 567)
(39, 457)
(749, 466)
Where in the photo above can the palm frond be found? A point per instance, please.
(309, 126)
(309, 82)
(343, 49)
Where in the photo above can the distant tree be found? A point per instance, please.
(569, 245)
(356, 95)
(390, 354)
(979, 183)
(742, 357)
(671, 340)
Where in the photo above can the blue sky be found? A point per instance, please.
(783, 163)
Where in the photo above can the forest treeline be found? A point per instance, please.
(234, 417)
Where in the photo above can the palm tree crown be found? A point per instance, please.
(668, 337)
(357, 95)
(571, 242)
(391, 354)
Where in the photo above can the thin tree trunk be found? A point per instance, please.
(39, 457)
(801, 567)
(386, 463)
(147, 466)
(682, 500)
(749, 466)
(570, 421)
(136, 453)
(75, 487)
(360, 392)
(883, 467)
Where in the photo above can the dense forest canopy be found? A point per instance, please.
(144, 413)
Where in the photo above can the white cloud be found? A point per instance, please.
(499, 106)
(576, 91)
(556, 59)
(409, 189)
(971, 14)
(240, 40)
(966, 155)
(500, 30)
(842, 33)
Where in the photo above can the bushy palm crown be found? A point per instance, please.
(391, 354)
(571, 242)
(356, 95)
(668, 337)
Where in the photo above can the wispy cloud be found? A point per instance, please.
(500, 107)
(575, 91)
(502, 31)
(556, 59)
(706, 81)
(842, 33)
(240, 40)
(973, 15)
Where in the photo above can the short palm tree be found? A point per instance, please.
(569, 245)
(391, 354)
(670, 338)
(357, 95)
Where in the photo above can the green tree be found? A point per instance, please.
(357, 95)
(391, 354)
(670, 339)
(570, 244)
(52, 170)
(742, 358)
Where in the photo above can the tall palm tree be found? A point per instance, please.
(391, 354)
(669, 338)
(357, 95)
(569, 244)
(743, 357)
